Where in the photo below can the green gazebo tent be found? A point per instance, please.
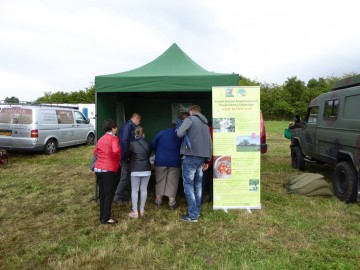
(155, 89)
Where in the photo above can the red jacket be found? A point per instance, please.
(109, 152)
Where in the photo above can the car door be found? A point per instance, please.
(82, 127)
(309, 131)
(67, 127)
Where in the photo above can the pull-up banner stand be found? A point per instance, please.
(236, 147)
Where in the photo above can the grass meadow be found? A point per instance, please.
(48, 220)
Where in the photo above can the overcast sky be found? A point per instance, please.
(61, 45)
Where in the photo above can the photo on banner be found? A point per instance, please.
(236, 147)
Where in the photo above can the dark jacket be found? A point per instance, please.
(126, 135)
(195, 126)
(167, 147)
(139, 153)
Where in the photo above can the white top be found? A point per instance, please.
(145, 173)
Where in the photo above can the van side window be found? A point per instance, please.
(331, 109)
(65, 117)
(312, 115)
(80, 119)
(16, 115)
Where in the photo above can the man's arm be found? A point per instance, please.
(184, 127)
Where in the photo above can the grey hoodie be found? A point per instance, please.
(195, 126)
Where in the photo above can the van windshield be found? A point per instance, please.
(15, 115)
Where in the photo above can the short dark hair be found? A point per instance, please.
(183, 115)
(108, 125)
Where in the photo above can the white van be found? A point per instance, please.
(43, 127)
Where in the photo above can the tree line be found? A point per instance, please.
(277, 102)
(283, 102)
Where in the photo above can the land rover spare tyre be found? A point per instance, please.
(345, 182)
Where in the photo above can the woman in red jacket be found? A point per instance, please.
(108, 152)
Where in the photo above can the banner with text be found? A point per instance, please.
(236, 147)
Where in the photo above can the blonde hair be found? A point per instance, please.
(195, 108)
(139, 131)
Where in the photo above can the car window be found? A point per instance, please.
(80, 118)
(16, 115)
(65, 117)
(312, 114)
(331, 109)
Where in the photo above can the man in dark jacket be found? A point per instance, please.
(126, 135)
(195, 159)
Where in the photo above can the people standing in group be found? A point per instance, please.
(194, 159)
(139, 154)
(108, 153)
(126, 136)
(166, 145)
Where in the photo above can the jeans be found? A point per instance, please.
(122, 192)
(139, 182)
(192, 177)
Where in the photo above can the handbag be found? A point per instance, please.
(288, 133)
(92, 162)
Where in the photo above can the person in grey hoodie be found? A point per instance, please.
(194, 159)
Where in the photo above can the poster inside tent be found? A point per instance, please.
(236, 147)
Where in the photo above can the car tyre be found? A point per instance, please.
(297, 158)
(50, 147)
(90, 140)
(345, 182)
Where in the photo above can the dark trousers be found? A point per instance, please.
(123, 190)
(106, 181)
(207, 184)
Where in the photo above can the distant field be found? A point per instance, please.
(49, 220)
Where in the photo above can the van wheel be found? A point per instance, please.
(50, 147)
(345, 182)
(297, 158)
(90, 140)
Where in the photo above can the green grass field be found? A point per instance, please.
(49, 221)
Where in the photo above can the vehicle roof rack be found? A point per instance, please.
(347, 82)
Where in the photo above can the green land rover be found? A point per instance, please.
(330, 133)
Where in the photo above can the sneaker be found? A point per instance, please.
(134, 214)
(142, 213)
(173, 206)
(188, 218)
(110, 221)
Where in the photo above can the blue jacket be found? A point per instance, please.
(167, 148)
(126, 136)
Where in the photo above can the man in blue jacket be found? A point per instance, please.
(195, 159)
(126, 135)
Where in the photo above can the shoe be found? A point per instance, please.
(173, 206)
(157, 203)
(110, 221)
(134, 214)
(188, 219)
(142, 213)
